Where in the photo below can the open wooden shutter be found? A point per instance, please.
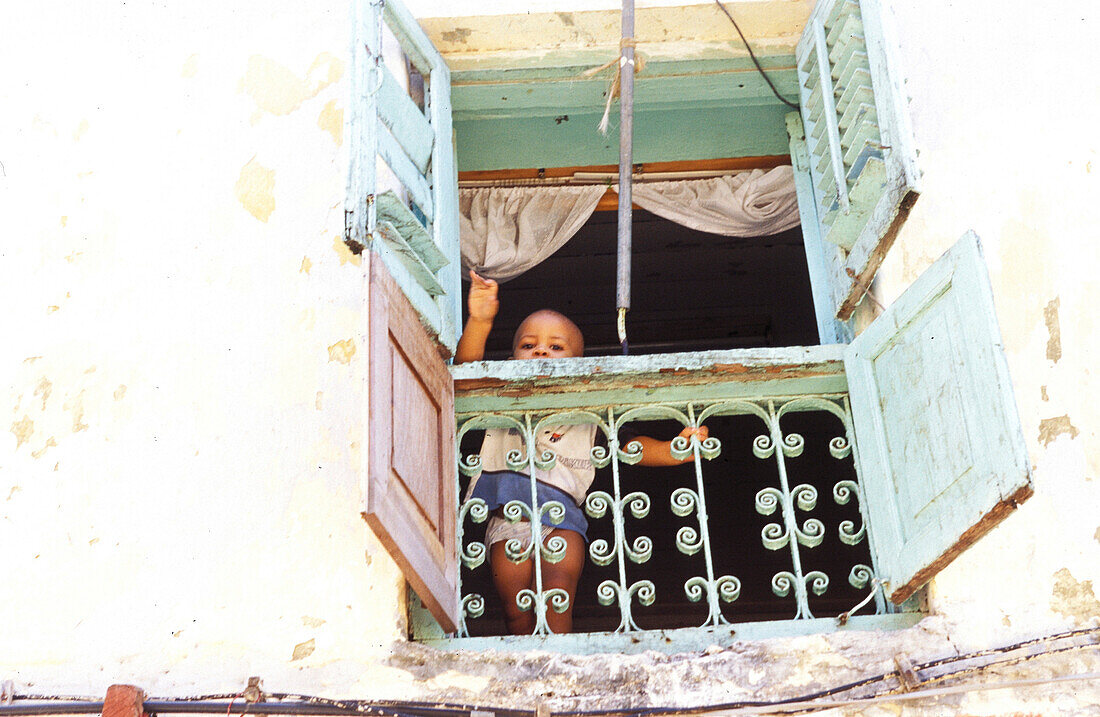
(940, 453)
(860, 157)
(418, 240)
(409, 491)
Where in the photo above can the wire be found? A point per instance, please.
(756, 62)
(296, 704)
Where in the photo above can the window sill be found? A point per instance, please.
(690, 639)
(578, 382)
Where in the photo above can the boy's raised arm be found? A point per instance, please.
(482, 305)
(659, 453)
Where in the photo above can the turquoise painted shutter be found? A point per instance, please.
(861, 165)
(418, 243)
(940, 453)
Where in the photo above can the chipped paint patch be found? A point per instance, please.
(50, 443)
(459, 35)
(331, 120)
(1051, 428)
(1054, 331)
(277, 90)
(43, 389)
(303, 650)
(312, 621)
(306, 265)
(120, 392)
(255, 189)
(1043, 393)
(342, 351)
(330, 65)
(318, 399)
(22, 430)
(76, 405)
(190, 67)
(345, 253)
(1073, 598)
(454, 680)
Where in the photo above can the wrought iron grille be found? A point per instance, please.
(792, 531)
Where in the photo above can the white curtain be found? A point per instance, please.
(504, 231)
(755, 203)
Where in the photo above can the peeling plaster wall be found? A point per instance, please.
(179, 478)
(999, 157)
(181, 443)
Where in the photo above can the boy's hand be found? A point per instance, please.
(701, 431)
(482, 303)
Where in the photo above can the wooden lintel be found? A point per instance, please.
(610, 200)
(695, 165)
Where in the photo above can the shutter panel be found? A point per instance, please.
(940, 452)
(417, 241)
(409, 492)
(861, 156)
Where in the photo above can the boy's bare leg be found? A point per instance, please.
(564, 574)
(509, 578)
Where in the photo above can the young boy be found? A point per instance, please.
(543, 334)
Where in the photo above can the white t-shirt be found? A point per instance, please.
(572, 471)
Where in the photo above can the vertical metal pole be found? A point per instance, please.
(626, 167)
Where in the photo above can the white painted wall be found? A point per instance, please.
(179, 470)
(179, 462)
(1000, 108)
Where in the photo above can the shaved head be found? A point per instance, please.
(550, 319)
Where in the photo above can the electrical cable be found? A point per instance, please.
(296, 704)
(756, 62)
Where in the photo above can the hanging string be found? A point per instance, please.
(613, 83)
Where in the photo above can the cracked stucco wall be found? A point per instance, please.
(1003, 162)
(183, 364)
(179, 470)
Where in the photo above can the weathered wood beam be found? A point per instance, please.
(518, 95)
(487, 386)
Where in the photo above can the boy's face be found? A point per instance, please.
(547, 335)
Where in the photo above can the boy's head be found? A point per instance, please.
(547, 334)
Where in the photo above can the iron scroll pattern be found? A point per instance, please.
(794, 530)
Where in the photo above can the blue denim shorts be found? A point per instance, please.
(497, 488)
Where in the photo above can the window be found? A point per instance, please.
(931, 427)
(921, 400)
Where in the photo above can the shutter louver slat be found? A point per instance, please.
(839, 9)
(861, 166)
(848, 66)
(836, 162)
(847, 107)
(858, 89)
(864, 138)
(848, 39)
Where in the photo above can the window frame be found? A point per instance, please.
(842, 280)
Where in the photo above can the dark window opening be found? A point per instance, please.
(691, 291)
